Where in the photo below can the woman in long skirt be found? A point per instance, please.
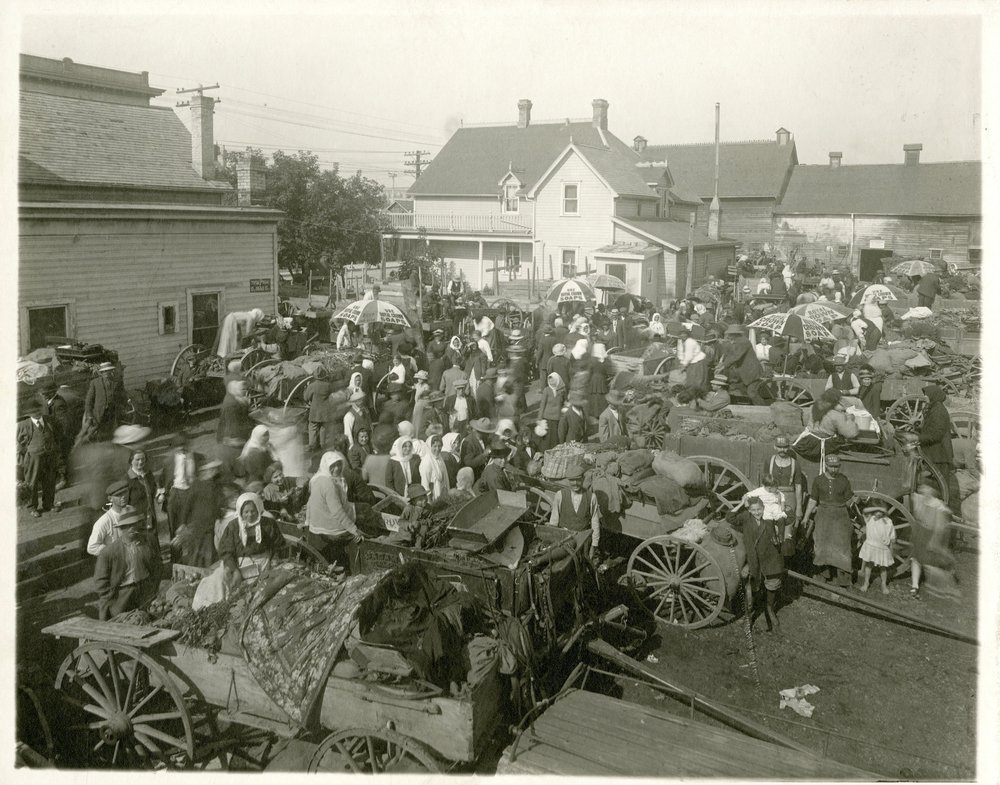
(831, 532)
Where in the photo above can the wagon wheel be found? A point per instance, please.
(667, 365)
(652, 432)
(791, 391)
(297, 550)
(252, 358)
(186, 363)
(683, 582)
(725, 484)
(33, 727)
(539, 507)
(371, 751)
(510, 312)
(907, 414)
(300, 386)
(262, 363)
(928, 472)
(965, 425)
(902, 522)
(132, 713)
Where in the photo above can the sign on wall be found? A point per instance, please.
(880, 244)
(260, 284)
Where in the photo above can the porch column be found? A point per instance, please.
(481, 273)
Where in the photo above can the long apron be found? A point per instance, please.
(832, 537)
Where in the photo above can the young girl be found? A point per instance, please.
(879, 535)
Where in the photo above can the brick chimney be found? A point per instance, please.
(783, 135)
(835, 159)
(250, 180)
(911, 154)
(639, 144)
(203, 135)
(523, 113)
(600, 114)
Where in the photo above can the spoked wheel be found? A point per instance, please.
(651, 433)
(965, 425)
(33, 727)
(680, 581)
(187, 363)
(126, 707)
(252, 358)
(299, 389)
(539, 507)
(667, 364)
(371, 751)
(928, 472)
(725, 484)
(509, 314)
(902, 522)
(296, 549)
(907, 414)
(791, 391)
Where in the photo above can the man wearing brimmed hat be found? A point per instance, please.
(830, 494)
(128, 570)
(870, 392)
(718, 397)
(573, 425)
(356, 418)
(740, 364)
(494, 476)
(544, 345)
(473, 452)
(459, 408)
(576, 508)
(842, 378)
(37, 439)
(103, 403)
(609, 424)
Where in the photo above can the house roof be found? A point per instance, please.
(613, 165)
(746, 169)
(404, 205)
(672, 233)
(474, 160)
(74, 141)
(952, 188)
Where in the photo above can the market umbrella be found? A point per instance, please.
(793, 326)
(628, 302)
(914, 267)
(370, 311)
(602, 281)
(571, 290)
(883, 294)
(821, 312)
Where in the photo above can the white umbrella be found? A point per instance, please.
(914, 267)
(882, 293)
(603, 281)
(571, 290)
(370, 311)
(821, 312)
(793, 326)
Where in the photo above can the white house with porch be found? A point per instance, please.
(551, 198)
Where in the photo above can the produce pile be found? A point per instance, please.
(721, 428)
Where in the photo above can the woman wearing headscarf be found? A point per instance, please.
(935, 439)
(475, 366)
(330, 517)
(142, 489)
(657, 329)
(579, 367)
(247, 545)
(404, 468)
(257, 455)
(449, 454)
(454, 352)
(434, 471)
(235, 328)
(597, 384)
(551, 404)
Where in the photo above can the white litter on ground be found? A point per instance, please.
(794, 698)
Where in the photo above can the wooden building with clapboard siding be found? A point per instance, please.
(125, 239)
(852, 216)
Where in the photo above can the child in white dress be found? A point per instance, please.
(876, 550)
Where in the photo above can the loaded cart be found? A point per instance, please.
(297, 664)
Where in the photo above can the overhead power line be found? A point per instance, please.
(415, 162)
(322, 127)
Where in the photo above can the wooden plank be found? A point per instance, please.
(87, 629)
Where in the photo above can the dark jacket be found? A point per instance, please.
(740, 360)
(473, 453)
(935, 433)
(111, 567)
(234, 420)
(486, 399)
(316, 395)
(573, 426)
(142, 496)
(763, 557)
(493, 478)
(397, 480)
(929, 286)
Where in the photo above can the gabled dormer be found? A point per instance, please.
(510, 188)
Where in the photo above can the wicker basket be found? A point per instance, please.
(560, 458)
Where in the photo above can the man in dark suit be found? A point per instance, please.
(128, 570)
(38, 457)
(178, 470)
(740, 364)
(473, 452)
(102, 404)
(494, 476)
(573, 425)
(486, 394)
(928, 288)
(65, 411)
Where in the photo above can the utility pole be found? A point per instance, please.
(393, 176)
(690, 264)
(415, 161)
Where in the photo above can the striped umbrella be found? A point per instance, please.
(370, 311)
(883, 294)
(914, 267)
(821, 312)
(602, 281)
(793, 326)
(571, 290)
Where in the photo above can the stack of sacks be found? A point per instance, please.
(634, 467)
(669, 497)
(682, 471)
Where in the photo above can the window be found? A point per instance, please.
(204, 312)
(510, 201)
(46, 322)
(571, 199)
(976, 255)
(935, 254)
(568, 264)
(513, 256)
(754, 247)
(656, 210)
(167, 318)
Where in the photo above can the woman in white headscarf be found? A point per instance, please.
(454, 351)
(246, 548)
(329, 515)
(257, 454)
(450, 444)
(404, 466)
(434, 471)
(656, 327)
(235, 327)
(463, 486)
(407, 431)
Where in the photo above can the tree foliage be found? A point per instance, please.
(329, 221)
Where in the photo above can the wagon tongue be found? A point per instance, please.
(485, 519)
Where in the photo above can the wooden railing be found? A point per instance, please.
(489, 223)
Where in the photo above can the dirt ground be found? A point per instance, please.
(893, 700)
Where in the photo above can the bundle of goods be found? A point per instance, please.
(722, 428)
(634, 466)
(560, 459)
(970, 319)
(786, 416)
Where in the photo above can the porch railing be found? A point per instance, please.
(489, 223)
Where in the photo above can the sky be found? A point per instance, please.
(361, 84)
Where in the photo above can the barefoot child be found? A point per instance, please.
(879, 536)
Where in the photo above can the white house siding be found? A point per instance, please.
(811, 235)
(630, 208)
(466, 205)
(461, 257)
(591, 229)
(115, 273)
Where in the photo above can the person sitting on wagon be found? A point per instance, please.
(842, 379)
(870, 392)
(576, 508)
(829, 429)
(494, 476)
(691, 359)
(718, 398)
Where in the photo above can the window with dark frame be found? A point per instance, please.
(571, 199)
(842, 250)
(512, 255)
(168, 318)
(568, 263)
(45, 322)
(510, 200)
(936, 253)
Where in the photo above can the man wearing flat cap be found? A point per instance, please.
(473, 452)
(573, 424)
(127, 574)
(609, 424)
(576, 508)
